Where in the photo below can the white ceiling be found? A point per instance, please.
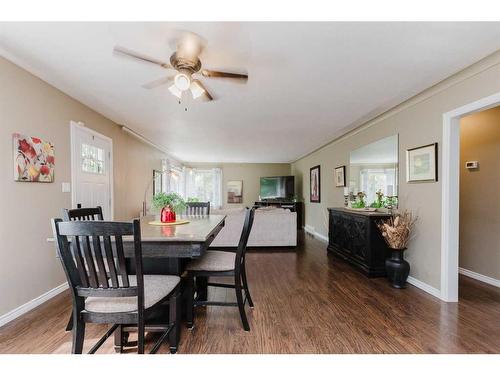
(308, 82)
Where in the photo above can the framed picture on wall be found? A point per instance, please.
(235, 191)
(340, 176)
(421, 163)
(315, 184)
(33, 159)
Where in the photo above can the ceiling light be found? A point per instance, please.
(175, 91)
(182, 81)
(197, 89)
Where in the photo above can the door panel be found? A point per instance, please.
(91, 174)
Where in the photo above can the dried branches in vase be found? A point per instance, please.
(397, 229)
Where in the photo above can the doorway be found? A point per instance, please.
(479, 237)
(451, 194)
(91, 169)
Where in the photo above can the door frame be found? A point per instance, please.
(450, 192)
(74, 125)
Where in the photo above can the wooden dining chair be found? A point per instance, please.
(222, 263)
(79, 213)
(85, 213)
(102, 290)
(198, 208)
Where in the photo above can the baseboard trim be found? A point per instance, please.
(28, 306)
(480, 277)
(310, 230)
(425, 287)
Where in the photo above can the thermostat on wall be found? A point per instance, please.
(471, 164)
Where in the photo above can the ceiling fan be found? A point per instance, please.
(187, 64)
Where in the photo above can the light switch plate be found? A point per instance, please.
(66, 187)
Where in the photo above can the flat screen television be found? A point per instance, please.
(280, 187)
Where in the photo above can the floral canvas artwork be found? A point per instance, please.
(33, 159)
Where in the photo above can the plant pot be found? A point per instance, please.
(167, 215)
(397, 268)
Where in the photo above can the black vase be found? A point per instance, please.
(397, 268)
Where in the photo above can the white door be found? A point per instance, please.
(91, 172)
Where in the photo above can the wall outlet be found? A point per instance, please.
(66, 187)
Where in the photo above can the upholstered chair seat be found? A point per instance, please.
(156, 287)
(214, 261)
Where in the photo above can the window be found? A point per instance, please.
(92, 159)
(373, 180)
(176, 180)
(205, 185)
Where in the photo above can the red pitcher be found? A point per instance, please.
(167, 215)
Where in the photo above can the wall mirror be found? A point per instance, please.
(374, 168)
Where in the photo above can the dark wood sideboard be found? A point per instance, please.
(354, 237)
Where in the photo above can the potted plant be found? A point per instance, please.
(396, 232)
(168, 204)
(360, 200)
(379, 201)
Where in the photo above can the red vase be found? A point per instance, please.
(167, 215)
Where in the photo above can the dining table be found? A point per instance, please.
(166, 248)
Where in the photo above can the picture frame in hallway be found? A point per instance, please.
(340, 176)
(235, 191)
(422, 164)
(315, 184)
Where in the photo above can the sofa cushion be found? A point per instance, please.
(156, 287)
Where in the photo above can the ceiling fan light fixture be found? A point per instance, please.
(175, 91)
(196, 89)
(182, 81)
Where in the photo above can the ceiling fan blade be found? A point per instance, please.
(136, 55)
(158, 82)
(216, 74)
(198, 90)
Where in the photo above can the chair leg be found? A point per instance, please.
(245, 286)
(189, 300)
(239, 298)
(174, 318)
(69, 326)
(78, 335)
(140, 336)
(119, 339)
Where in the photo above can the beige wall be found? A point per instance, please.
(250, 173)
(479, 193)
(418, 122)
(28, 267)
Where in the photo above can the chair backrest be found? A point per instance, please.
(198, 208)
(93, 257)
(91, 213)
(245, 233)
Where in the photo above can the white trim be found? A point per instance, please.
(28, 306)
(478, 276)
(450, 193)
(425, 287)
(80, 125)
(319, 236)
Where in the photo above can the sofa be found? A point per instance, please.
(272, 227)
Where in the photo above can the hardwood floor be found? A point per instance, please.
(305, 302)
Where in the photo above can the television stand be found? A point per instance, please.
(292, 206)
